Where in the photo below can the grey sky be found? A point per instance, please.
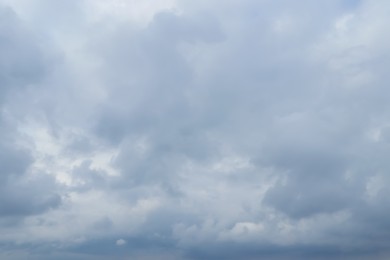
(178, 129)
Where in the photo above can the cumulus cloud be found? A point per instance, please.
(194, 130)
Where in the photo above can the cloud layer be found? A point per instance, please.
(194, 129)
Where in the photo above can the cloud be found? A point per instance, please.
(120, 242)
(22, 192)
(197, 130)
(22, 62)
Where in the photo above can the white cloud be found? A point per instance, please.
(120, 242)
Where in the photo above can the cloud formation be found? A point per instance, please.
(194, 129)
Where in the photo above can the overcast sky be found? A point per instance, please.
(194, 129)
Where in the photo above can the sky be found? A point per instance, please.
(179, 129)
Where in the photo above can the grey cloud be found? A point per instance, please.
(260, 89)
(248, 130)
(22, 195)
(22, 66)
(18, 197)
(21, 199)
(21, 63)
(14, 162)
(152, 78)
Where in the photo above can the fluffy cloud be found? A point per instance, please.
(194, 130)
